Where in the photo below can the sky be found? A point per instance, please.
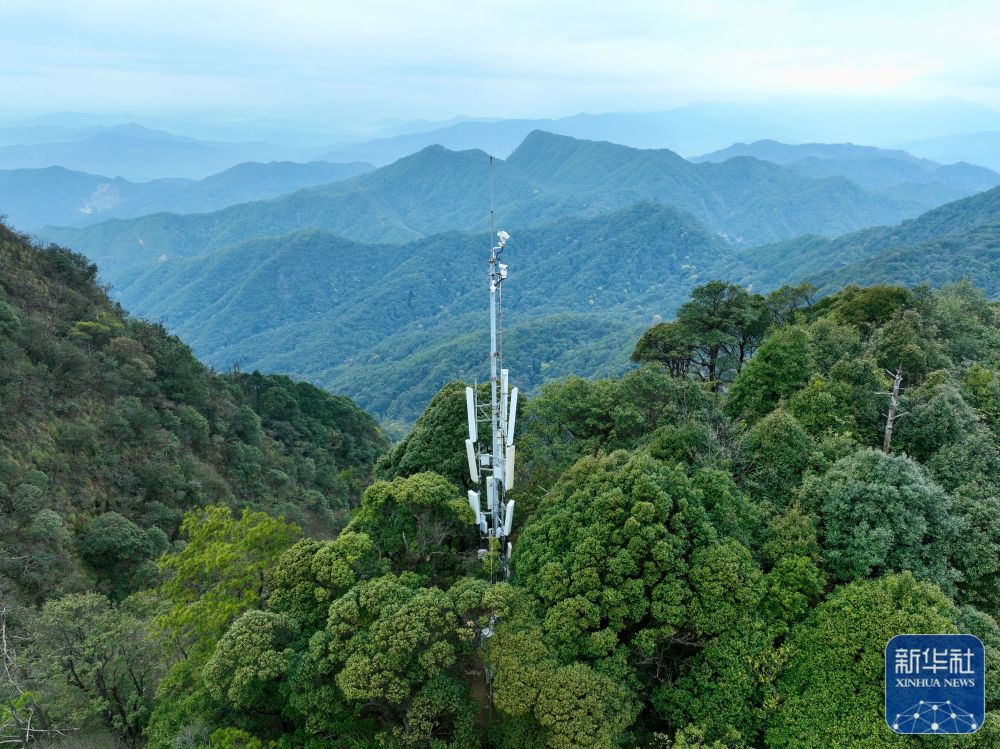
(351, 63)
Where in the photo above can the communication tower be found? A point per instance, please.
(491, 458)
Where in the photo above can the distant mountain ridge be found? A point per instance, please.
(701, 127)
(786, 153)
(972, 255)
(378, 278)
(748, 200)
(977, 147)
(547, 177)
(33, 198)
(891, 172)
(135, 153)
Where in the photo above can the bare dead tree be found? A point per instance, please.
(893, 416)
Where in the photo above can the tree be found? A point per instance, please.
(264, 677)
(421, 523)
(632, 580)
(830, 690)
(311, 574)
(575, 417)
(864, 380)
(973, 458)
(716, 684)
(249, 661)
(692, 442)
(23, 721)
(399, 653)
(608, 549)
(909, 342)
(981, 389)
(977, 545)
(967, 321)
(221, 572)
(832, 342)
(881, 513)
(116, 547)
(542, 703)
(822, 407)
(773, 457)
(97, 662)
(785, 303)
(938, 417)
(436, 441)
(9, 321)
(867, 307)
(780, 367)
(725, 323)
(669, 344)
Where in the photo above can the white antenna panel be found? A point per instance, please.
(470, 451)
(470, 407)
(511, 420)
(508, 520)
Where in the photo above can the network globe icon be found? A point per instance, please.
(935, 717)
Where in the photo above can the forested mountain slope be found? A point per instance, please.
(33, 198)
(782, 261)
(433, 190)
(110, 430)
(972, 255)
(346, 315)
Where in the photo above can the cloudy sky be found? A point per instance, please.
(368, 59)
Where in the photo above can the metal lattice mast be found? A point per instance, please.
(491, 462)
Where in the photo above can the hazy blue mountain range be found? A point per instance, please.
(926, 128)
(705, 126)
(894, 173)
(788, 153)
(135, 153)
(686, 130)
(547, 177)
(979, 148)
(32, 198)
(378, 278)
(748, 200)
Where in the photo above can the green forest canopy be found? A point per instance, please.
(689, 565)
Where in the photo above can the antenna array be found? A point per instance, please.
(491, 459)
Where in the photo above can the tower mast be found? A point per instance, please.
(492, 461)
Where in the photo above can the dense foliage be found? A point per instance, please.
(710, 549)
(110, 430)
